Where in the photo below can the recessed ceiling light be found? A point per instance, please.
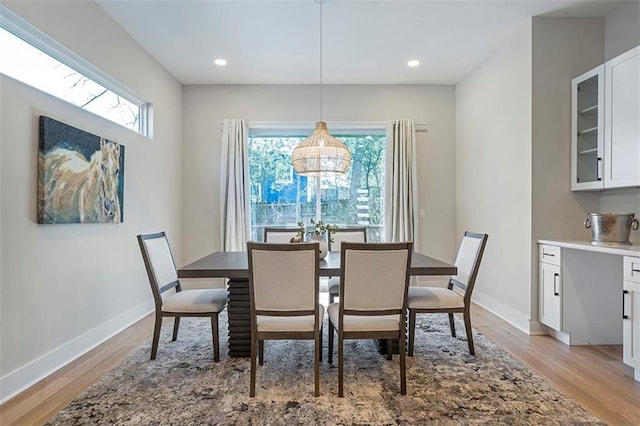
(220, 62)
(413, 63)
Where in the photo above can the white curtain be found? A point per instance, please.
(234, 192)
(401, 191)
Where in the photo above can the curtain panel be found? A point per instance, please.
(235, 211)
(401, 189)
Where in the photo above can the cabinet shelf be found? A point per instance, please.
(591, 130)
(590, 110)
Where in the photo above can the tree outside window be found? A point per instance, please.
(280, 197)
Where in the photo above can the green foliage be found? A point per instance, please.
(343, 197)
(317, 228)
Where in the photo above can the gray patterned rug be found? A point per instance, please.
(445, 385)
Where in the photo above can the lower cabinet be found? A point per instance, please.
(631, 313)
(550, 287)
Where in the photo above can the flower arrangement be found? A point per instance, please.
(316, 229)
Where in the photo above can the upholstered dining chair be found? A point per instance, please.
(163, 278)
(279, 235)
(353, 234)
(456, 298)
(284, 281)
(373, 299)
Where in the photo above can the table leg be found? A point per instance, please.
(239, 318)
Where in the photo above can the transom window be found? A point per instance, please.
(32, 57)
(281, 197)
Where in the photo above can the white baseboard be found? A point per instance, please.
(36, 370)
(507, 313)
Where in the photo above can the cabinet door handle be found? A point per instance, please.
(548, 254)
(624, 316)
(598, 168)
(555, 284)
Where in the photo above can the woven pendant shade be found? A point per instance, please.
(320, 153)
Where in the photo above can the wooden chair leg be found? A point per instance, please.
(176, 326)
(252, 383)
(467, 326)
(412, 330)
(216, 339)
(260, 352)
(317, 360)
(389, 350)
(340, 365)
(320, 337)
(403, 365)
(452, 324)
(156, 335)
(330, 345)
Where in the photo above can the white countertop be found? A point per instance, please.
(587, 246)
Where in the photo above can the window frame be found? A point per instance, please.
(41, 41)
(304, 129)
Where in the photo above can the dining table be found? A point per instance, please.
(234, 266)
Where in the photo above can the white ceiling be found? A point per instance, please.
(364, 42)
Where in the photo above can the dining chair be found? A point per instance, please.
(284, 281)
(279, 235)
(373, 299)
(163, 278)
(456, 297)
(353, 234)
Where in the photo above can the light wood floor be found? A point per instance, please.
(594, 376)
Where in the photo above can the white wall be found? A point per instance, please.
(66, 288)
(558, 213)
(493, 173)
(206, 106)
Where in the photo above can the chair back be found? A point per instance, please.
(284, 279)
(159, 264)
(279, 235)
(374, 278)
(468, 263)
(352, 234)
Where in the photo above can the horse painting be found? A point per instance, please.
(80, 176)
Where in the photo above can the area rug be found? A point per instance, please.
(445, 385)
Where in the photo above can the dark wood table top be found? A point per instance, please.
(233, 264)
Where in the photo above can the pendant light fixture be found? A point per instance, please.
(320, 153)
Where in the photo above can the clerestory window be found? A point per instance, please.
(32, 57)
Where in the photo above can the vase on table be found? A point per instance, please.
(323, 246)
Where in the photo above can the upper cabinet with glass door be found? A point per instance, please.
(587, 130)
(605, 128)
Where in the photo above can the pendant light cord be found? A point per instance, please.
(321, 60)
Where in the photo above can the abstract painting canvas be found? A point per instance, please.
(80, 176)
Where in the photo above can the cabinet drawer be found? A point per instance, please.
(632, 269)
(549, 254)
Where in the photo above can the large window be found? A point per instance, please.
(32, 57)
(280, 197)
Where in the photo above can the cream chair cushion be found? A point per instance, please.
(334, 285)
(364, 323)
(195, 301)
(433, 298)
(290, 323)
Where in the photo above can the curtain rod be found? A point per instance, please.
(335, 123)
(421, 126)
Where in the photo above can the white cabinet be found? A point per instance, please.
(550, 286)
(587, 130)
(631, 314)
(622, 120)
(605, 125)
